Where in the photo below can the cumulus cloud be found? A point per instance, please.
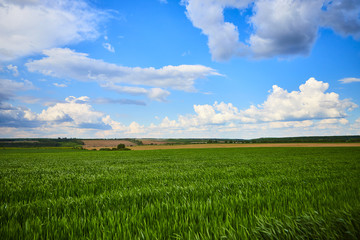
(12, 116)
(311, 102)
(73, 117)
(279, 27)
(281, 109)
(73, 113)
(342, 17)
(68, 64)
(284, 27)
(311, 110)
(28, 27)
(223, 37)
(136, 128)
(76, 111)
(349, 80)
(218, 113)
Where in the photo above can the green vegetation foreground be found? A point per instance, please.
(247, 193)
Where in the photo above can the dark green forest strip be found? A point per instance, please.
(237, 193)
(40, 142)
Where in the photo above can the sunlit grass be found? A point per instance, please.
(247, 193)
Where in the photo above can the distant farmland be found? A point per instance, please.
(233, 193)
(149, 143)
(246, 145)
(97, 144)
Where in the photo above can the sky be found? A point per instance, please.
(179, 68)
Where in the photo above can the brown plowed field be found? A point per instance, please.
(153, 147)
(97, 144)
(151, 141)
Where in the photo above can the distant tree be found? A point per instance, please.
(121, 146)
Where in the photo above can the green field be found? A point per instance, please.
(247, 193)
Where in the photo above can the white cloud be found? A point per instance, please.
(108, 47)
(73, 117)
(311, 102)
(156, 94)
(223, 37)
(219, 113)
(355, 127)
(75, 111)
(66, 63)
(280, 27)
(309, 108)
(14, 70)
(331, 124)
(349, 80)
(291, 124)
(216, 114)
(23, 3)
(28, 27)
(61, 85)
(136, 128)
(296, 28)
(334, 120)
(309, 111)
(12, 116)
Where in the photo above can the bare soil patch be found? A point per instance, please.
(154, 147)
(152, 142)
(102, 143)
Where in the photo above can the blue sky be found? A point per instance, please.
(171, 69)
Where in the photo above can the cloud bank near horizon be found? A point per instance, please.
(309, 109)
